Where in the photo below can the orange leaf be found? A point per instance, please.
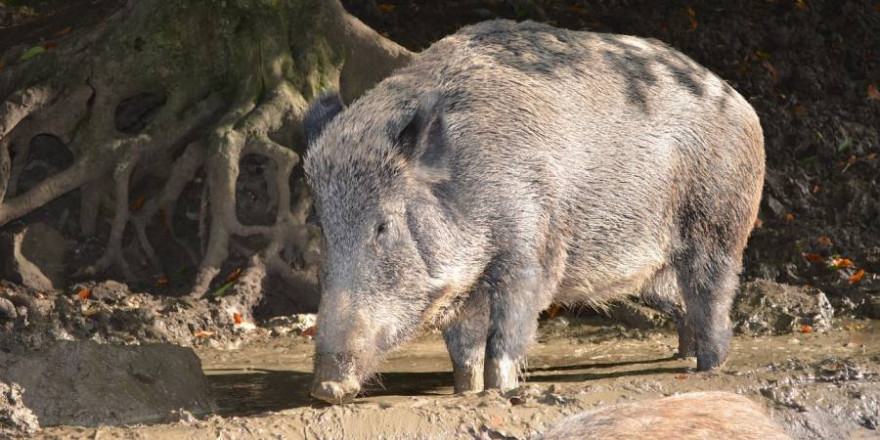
(692, 14)
(138, 204)
(681, 376)
(553, 310)
(824, 241)
(63, 31)
(806, 329)
(759, 223)
(800, 110)
(814, 258)
(233, 276)
(236, 318)
(2, 65)
(841, 262)
(385, 7)
(873, 93)
(856, 277)
(789, 216)
(817, 189)
(310, 331)
(801, 5)
(870, 156)
(49, 45)
(162, 281)
(84, 294)
(201, 334)
(163, 217)
(851, 327)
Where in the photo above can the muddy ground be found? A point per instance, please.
(815, 385)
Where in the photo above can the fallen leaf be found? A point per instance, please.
(692, 14)
(681, 376)
(136, 206)
(841, 262)
(851, 327)
(49, 45)
(2, 65)
(817, 189)
(856, 277)
(852, 161)
(162, 281)
(801, 5)
(32, 52)
(870, 156)
(759, 223)
(233, 276)
(163, 217)
(824, 241)
(873, 93)
(310, 331)
(84, 294)
(762, 55)
(237, 318)
(385, 7)
(806, 329)
(63, 31)
(770, 69)
(800, 110)
(814, 258)
(553, 310)
(202, 334)
(789, 216)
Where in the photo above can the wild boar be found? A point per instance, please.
(512, 165)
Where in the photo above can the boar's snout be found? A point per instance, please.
(336, 392)
(334, 380)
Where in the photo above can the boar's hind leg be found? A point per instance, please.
(664, 294)
(466, 342)
(516, 299)
(709, 279)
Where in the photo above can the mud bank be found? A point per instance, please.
(815, 385)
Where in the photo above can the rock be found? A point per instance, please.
(46, 248)
(16, 419)
(767, 308)
(88, 384)
(109, 291)
(7, 310)
(16, 267)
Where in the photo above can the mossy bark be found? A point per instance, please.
(169, 88)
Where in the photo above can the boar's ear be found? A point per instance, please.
(321, 111)
(423, 140)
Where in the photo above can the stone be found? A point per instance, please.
(16, 267)
(764, 307)
(16, 419)
(89, 384)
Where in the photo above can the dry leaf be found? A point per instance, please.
(385, 7)
(49, 45)
(553, 310)
(841, 262)
(801, 5)
(236, 318)
(310, 331)
(806, 329)
(789, 216)
(692, 14)
(63, 31)
(201, 334)
(851, 327)
(138, 204)
(824, 241)
(84, 294)
(2, 65)
(681, 376)
(814, 258)
(800, 110)
(758, 223)
(873, 93)
(162, 281)
(233, 276)
(817, 189)
(856, 277)
(770, 69)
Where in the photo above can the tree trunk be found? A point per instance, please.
(167, 91)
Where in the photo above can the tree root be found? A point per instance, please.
(213, 115)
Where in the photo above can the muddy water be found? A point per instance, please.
(816, 385)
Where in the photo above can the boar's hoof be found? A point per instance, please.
(336, 392)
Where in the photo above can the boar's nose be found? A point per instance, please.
(336, 392)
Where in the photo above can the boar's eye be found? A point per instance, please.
(383, 228)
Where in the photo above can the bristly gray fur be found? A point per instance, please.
(546, 165)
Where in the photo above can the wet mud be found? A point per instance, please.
(814, 385)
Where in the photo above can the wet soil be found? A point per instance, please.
(815, 385)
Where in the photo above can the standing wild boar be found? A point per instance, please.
(514, 165)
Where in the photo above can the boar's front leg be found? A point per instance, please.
(466, 341)
(516, 298)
